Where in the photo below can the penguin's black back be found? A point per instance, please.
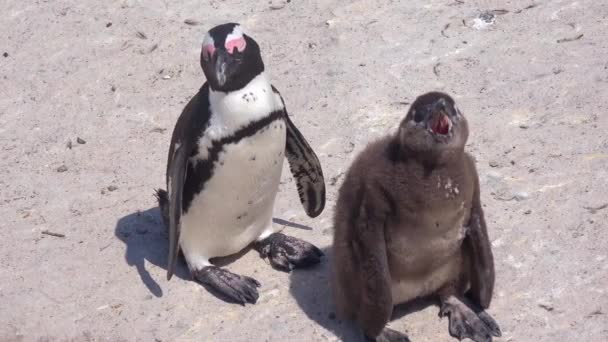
(190, 125)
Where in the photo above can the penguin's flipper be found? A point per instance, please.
(305, 167)
(176, 178)
(306, 170)
(190, 125)
(479, 249)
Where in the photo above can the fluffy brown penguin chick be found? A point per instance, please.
(409, 224)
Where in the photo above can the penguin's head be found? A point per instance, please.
(230, 58)
(433, 124)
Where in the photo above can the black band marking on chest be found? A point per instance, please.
(199, 173)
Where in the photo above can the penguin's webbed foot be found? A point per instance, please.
(286, 252)
(230, 286)
(389, 335)
(465, 322)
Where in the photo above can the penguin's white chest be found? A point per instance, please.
(236, 204)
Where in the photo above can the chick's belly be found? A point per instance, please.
(423, 261)
(408, 286)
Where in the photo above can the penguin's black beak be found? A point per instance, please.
(221, 63)
(438, 120)
(440, 106)
(219, 67)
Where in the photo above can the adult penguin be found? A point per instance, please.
(224, 168)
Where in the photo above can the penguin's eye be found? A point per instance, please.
(234, 45)
(208, 51)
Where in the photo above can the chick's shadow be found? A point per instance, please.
(312, 290)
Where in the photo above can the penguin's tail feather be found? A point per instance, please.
(163, 203)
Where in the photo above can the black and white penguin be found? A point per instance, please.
(224, 167)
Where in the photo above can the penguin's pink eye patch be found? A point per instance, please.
(208, 50)
(238, 43)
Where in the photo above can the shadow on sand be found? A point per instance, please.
(146, 239)
(312, 290)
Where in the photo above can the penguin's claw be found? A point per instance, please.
(230, 286)
(286, 252)
(466, 323)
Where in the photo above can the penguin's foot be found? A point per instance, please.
(286, 252)
(389, 335)
(230, 286)
(477, 325)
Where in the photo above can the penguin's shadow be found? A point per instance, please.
(311, 289)
(146, 239)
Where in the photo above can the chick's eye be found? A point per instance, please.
(418, 115)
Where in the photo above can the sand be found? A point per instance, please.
(90, 91)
